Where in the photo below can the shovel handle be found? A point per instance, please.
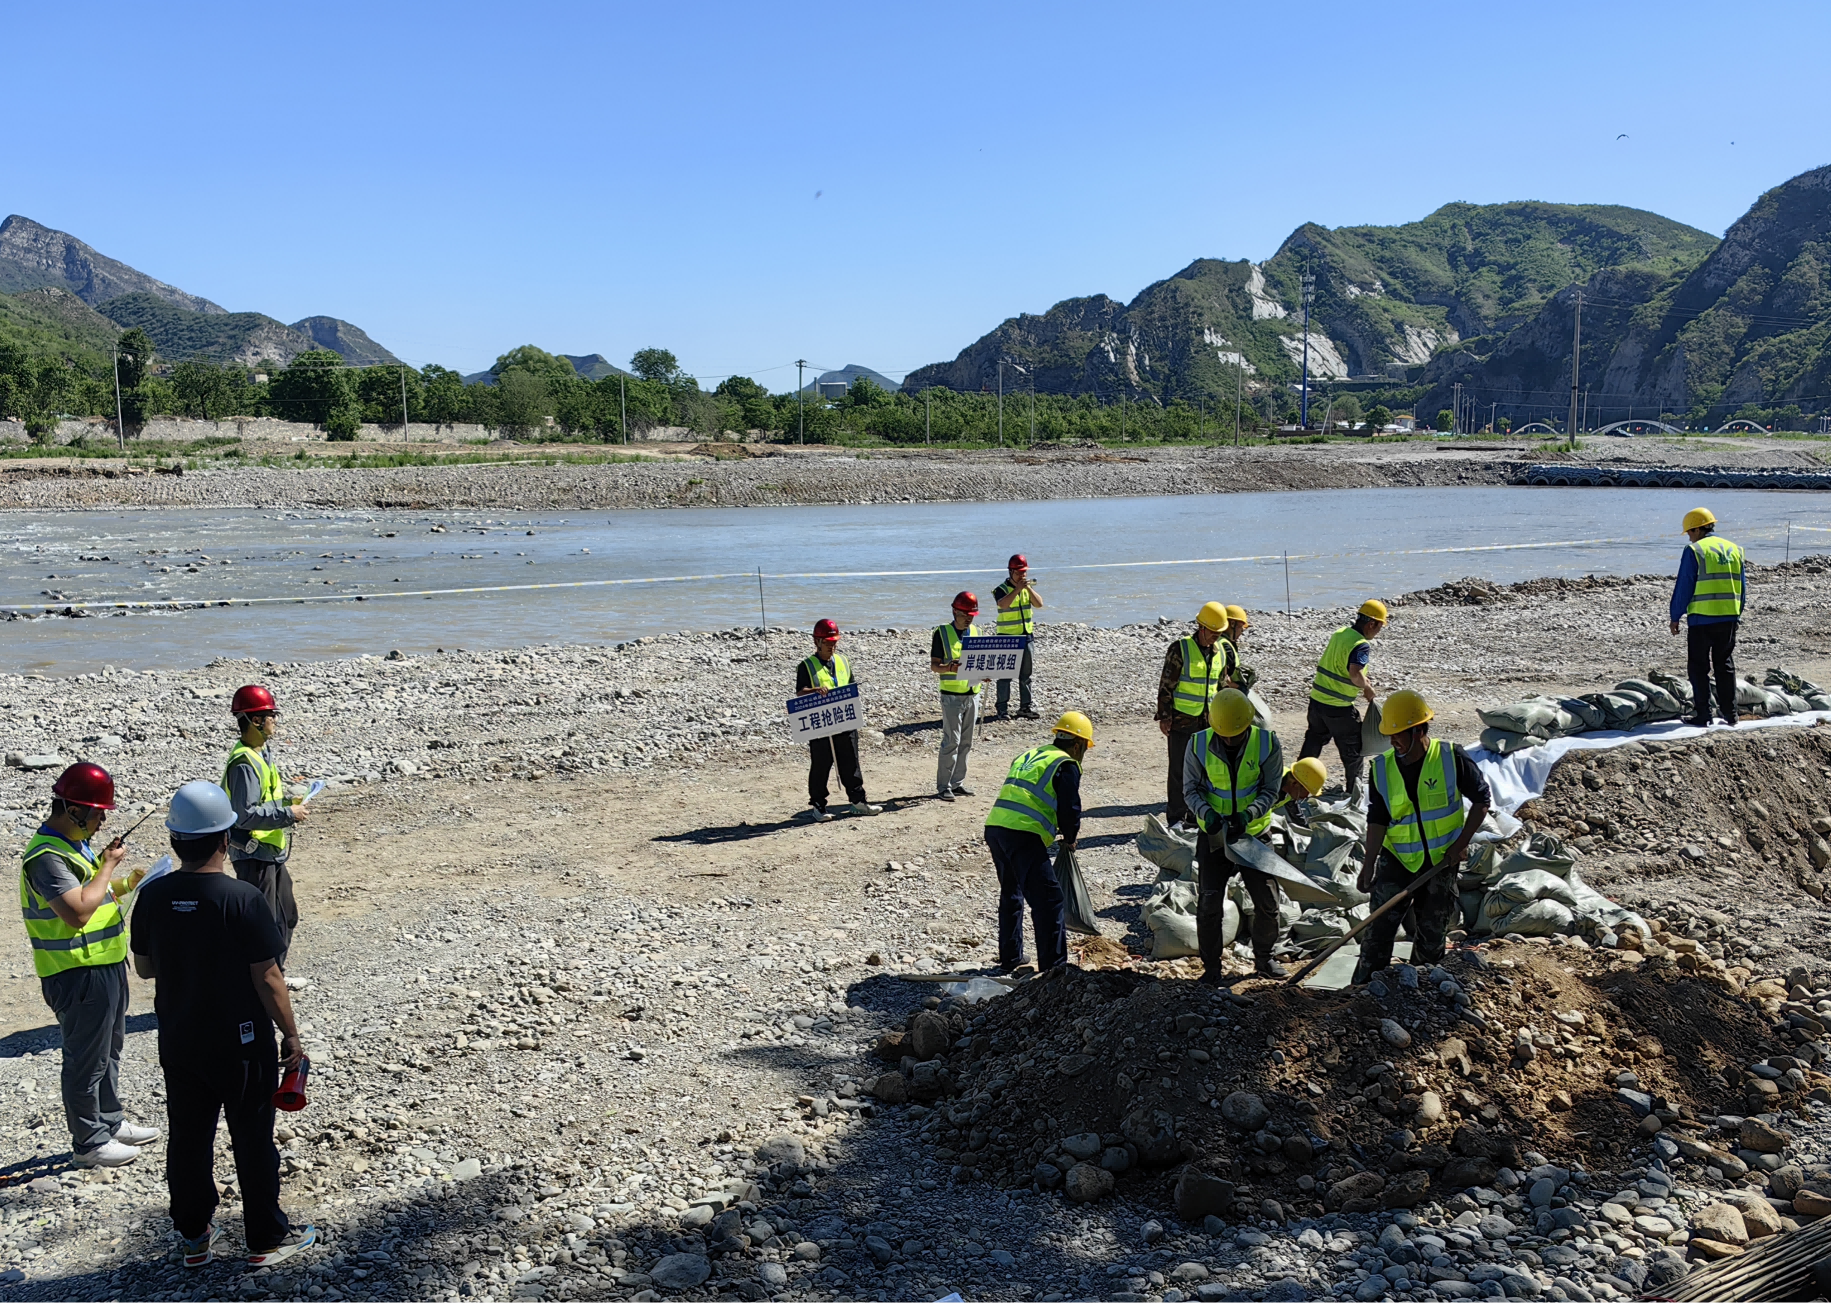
(1363, 925)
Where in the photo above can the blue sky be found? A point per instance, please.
(459, 179)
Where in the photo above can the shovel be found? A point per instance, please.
(1402, 898)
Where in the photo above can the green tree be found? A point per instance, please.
(207, 391)
(1446, 420)
(135, 361)
(1379, 418)
(535, 362)
(1506, 425)
(344, 422)
(378, 390)
(312, 387)
(656, 364)
(442, 397)
(524, 400)
(866, 392)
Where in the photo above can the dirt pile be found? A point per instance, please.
(1472, 590)
(1283, 1103)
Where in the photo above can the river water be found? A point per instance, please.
(851, 563)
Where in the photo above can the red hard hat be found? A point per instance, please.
(252, 700)
(87, 784)
(964, 601)
(825, 629)
(1018, 561)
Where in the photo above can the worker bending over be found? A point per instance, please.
(260, 844)
(959, 699)
(1195, 668)
(825, 670)
(1429, 800)
(1233, 778)
(1039, 803)
(1017, 602)
(1341, 676)
(1710, 594)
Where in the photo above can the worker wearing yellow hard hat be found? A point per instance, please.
(1341, 676)
(1428, 802)
(1038, 806)
(1237, 625)
(1232, 778)
(1195, 667)
(1709, 595)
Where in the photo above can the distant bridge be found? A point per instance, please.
(1741, 425)
(1638, 426)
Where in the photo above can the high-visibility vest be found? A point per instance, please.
(825, 679)
(1232, 791)
(1718, 590)
(1026, 802)
(1332, 686)
(1017, 618)
(950, 642)
(1202, 675)
(1422, 831)
(271, 790)
(56, 946)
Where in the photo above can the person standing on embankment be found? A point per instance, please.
(825, 670)
(1341, 675)
(1194, 669)
(260, 844)
(959, 699)
(1016, 600)
(1709, 595)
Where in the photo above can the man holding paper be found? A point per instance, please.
(959, 698)
(260, 844)
(824, 671)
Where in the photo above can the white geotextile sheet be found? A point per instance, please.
(1521, 777)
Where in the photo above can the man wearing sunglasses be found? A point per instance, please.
(261, 840)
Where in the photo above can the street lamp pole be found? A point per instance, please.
(800, 401)
(120, 424)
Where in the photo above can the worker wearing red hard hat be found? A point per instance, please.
(824, 670)
(1016, 601)
(261, 841)
(959, 699)
(79, 949)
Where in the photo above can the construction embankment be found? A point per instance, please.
(708, 475)
(593, 1016)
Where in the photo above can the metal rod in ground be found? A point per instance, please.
(1287, 583)
(762, 612)
(1362, 926)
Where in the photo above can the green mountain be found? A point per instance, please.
(1386, 299)
(34, 257)
(54, 322)
(177, 333)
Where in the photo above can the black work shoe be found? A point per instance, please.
(1271, 968)
(1696, 722)
(1028, 714)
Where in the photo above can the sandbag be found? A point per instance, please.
(1373, 742)
(1169, 911)
(1595, 913)
(1679, 688)
(1536, 717)
(1503, 743)
(1590, 717)
(1469, 903)
(1759, 698)
(1538, 918)
(1316, 928)
(1815, 697)
(1540, 851)
(1616, 708)
(1530, 884)
(1174, 853)
(1660, 703)
(1080, 910)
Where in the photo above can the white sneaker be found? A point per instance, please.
(811, 815)
(112, 1154)
(865, 807)
(129, 1134)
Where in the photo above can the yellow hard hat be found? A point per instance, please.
(1238, 614)
(1212, 617)
(1698, 517)
(1074, 724)
(1374, 609)
(1404, 709)
(1310, 773)
(1230, 713)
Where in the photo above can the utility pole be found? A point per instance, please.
(1456, 407)
(1033, 409)
(928, 423)
(120, 422)
(1492, 408)
(403, 401)
(1576, 356)
(1309, 292)
(1201, 423)
(1001, 402)
(800, 401)
(1239, 394)
(623, 407)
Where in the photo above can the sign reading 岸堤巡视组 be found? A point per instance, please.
(993, 657)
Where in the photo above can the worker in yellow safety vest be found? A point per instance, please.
(1039, 805)
(1428, 802)
(1195, 668)
(1233, 777)
(1710, 595)
(79, 951)
(260, 843)
(1244, 676)
(959, 699)
(1017, 604)
(1341, 676)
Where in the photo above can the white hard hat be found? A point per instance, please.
(200, 808)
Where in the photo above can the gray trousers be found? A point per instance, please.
(959, 716)
(91, 1008)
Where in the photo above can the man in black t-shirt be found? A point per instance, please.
(211, 942)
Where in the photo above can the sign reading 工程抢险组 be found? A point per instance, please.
(822, 714)
(991, 657)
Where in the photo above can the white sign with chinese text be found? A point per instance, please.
(822, 714)
(996, 656)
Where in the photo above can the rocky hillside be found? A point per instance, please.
(54, 321)
(1387, 299)
(341, 337)
(34, 256)
(1749, 326)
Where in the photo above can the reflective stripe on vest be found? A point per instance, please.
(1332, 686)
(56, 946)
(1437, 819)
(1232, 792)
(271, 790)
(825, 679)
(1718, 590)
(1026, 802)
(1201, 677)
(950, 643)
(1017, 619)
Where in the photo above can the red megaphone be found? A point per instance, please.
(290, 1097)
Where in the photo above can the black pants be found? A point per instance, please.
(822, 754)
(1023, 688)
(1708, 648)
(1426, 918)
(1175, 810)
(274, 880)
(1025, 876)
(196, 1090)
(1340, 724)
(1213, 869)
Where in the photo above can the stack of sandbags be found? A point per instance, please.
(1815, 697)
(1169, 911)
(1535, 890)
(1172, 852)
